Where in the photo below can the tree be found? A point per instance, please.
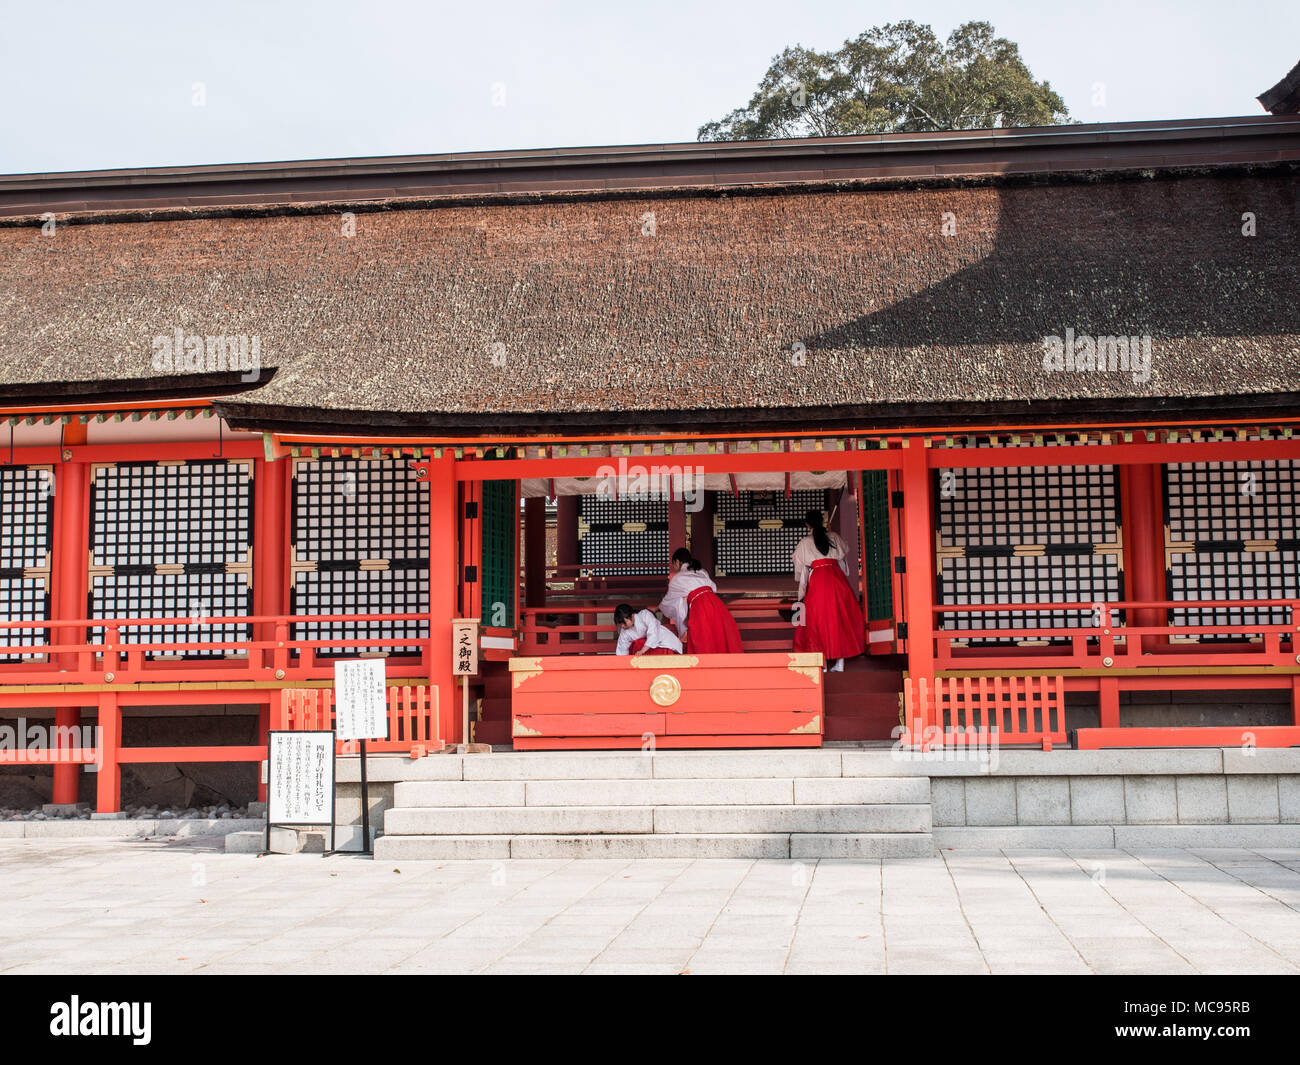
(896, 78)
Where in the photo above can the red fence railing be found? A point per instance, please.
(412, 718)
(1115, 640)
(586, 627)
(269, 654)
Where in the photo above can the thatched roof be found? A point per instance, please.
(684, 306)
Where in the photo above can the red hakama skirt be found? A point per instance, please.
(832, 619)
(639, 643)
(710, 628)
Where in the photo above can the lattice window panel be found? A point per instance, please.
(26, 533)
(755, 533)
(354, 591)
(1231, 533)
(172, 539)
(623, 536)
(360, 542)
(1025, 535)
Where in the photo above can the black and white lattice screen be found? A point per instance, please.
(172, 539)
(1064, 520)
(623, 536)
(360, 534)
(756, 532)
(26, 533)
(1232, 534)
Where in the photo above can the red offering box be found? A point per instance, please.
(594, 701)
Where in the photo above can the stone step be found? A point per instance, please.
(659, 791)
(633, 765)
(644, 845)
(638, 765)
(628, 820)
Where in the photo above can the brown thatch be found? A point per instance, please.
(674, 307)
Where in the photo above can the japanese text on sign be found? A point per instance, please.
(360, 707)
(300, 789)
(464, 647)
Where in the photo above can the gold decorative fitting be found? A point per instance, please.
(665, 690)
(522, 669)
(279, 673)
(1108, 661)
(812, 727)
(108, 678)
(523, 730)
(809, 663)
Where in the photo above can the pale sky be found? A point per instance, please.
(92, 85)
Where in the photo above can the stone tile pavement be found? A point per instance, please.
(91, 906)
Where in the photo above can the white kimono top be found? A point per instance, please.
(680, 585)
(806, 554)
(646, 624)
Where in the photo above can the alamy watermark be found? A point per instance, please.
(183, 352)
(634, 481)
(132, 1020)
(1084, 353)
(46, 742)
(932, 743)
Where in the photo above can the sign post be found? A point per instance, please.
(361, 713)
(464, 664)
(300, 780)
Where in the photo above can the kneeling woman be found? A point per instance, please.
(693, 599)
(832, 618)
(639, 633)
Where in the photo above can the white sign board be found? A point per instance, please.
(360, 707)
(300, 790)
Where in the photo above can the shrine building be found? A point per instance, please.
(1043, 382)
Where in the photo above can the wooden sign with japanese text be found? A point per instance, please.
(464, 647)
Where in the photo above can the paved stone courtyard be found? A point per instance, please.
(89, 906)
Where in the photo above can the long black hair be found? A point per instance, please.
(623, 612)
(820, 538)
(688, 561)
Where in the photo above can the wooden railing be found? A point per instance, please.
(586, 627)
(269, 654)
(71, 669)
(1115, 639)
(975, 712)
(412, 718)
(604, 578)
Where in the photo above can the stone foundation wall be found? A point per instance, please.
(1210, 797)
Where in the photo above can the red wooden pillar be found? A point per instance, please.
(535, 551)
(1144, 542)
(918, 551)
(108, 789)
(270, 586)
(444, 586)
(70, 585)
(566, 536)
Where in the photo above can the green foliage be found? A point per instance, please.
(896, 78)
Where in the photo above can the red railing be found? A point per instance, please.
(595, 578)
(966, 712)
(271, 656)
(576, 628)
(1118, 642)
(112, 672)
(412, 718)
